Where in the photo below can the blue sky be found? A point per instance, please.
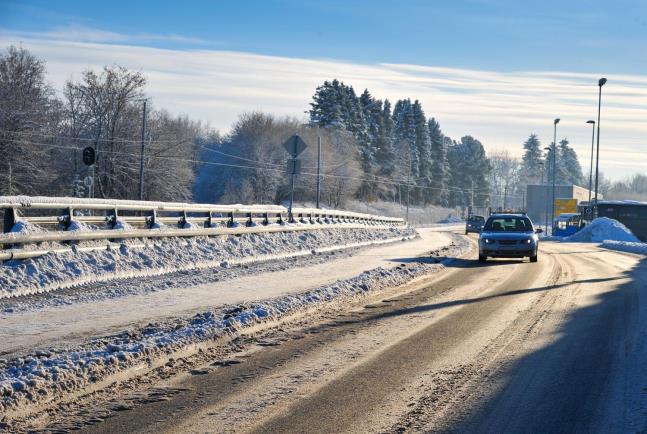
(495, 69)
(505, 35)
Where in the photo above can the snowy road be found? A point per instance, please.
(556, 346)
(52, 325)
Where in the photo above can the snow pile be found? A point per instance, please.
(451, 219)
(24, 228)
(162, 256)
(625, 246)
(603, 229)
(48, 374)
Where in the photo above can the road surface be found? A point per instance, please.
(50, 325)
(555, 346)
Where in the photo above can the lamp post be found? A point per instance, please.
(592, 148)
(555, 122)
(601, 83)
(547, 149)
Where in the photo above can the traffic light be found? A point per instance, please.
(89, 156)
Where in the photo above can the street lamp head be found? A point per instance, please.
(548, 149)
(602, 81)
(556, 121)
(590, 122)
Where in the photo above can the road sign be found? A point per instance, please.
(294, 166)
(295, 145)
(89, 156)
(88, 181)
(565, 206)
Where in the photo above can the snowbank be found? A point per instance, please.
(626, 246)
(49, 374)
(603, 229)
(162, 256)
(452, 219)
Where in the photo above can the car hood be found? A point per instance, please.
(507, 235)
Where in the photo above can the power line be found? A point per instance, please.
(86, 139)
(212, 163)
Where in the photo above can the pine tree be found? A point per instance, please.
(405, 136)
(439, 164)
(384, 151)
(423, 148)
(571, 170)
(548, 164)
(532, 160)
(470, 169)
(326, 108)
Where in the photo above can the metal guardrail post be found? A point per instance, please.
(151, 219)
(183, 220)
(67, 218)
(231, 222)
(266, 218)
(250, 221)
(209, 222)
(9, 219)
(111, 217)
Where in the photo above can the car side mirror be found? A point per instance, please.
(539, 231)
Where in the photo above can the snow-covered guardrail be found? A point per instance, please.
(122, 219)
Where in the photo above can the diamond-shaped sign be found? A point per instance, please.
(295, 145)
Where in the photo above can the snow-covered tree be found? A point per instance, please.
(532, 160)
(439, 165)
(470, 170)
(571, 168)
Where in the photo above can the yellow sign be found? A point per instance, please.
(565, 206)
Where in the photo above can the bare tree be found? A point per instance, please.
(27, 106)
(504, 180)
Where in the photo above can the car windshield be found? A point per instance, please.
(477, 218)
(508, 224)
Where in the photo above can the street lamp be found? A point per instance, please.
(547, 149)
(555, 122)
(597, 157)
(592, 147)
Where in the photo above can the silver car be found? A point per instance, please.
(508, 236)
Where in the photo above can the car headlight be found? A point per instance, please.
(527, 241)
(488, 240)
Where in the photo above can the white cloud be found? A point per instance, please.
(499, 108)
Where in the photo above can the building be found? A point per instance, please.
(539, 199)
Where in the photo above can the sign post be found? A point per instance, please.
(295, 146)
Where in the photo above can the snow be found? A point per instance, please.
(625, 246)
(47, 374)
(602, 229)
(156, 257)
(451, 219)
(610, 233)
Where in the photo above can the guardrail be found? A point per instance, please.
(155, 220)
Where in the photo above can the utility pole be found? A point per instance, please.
(472, 196)
(555, 122)
(408, 185)
(318, 171)
(141, 157)
(545, 190)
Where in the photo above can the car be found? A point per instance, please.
(474, 223)
(508, 236)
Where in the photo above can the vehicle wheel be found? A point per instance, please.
(533, 258)
(482, 258)
(466, 232)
